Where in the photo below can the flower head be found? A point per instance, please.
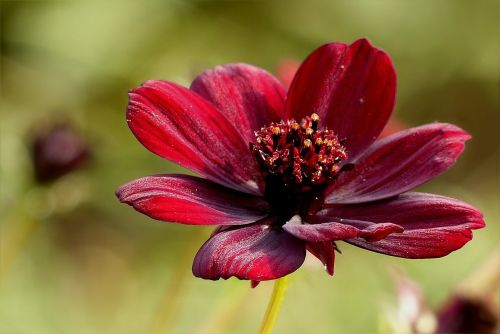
(283, 173)
(471, 308)
(57, 151)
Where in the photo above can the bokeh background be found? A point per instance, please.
(76, 261)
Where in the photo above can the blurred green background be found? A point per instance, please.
(87, 264)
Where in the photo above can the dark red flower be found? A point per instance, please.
(466, 315)
(285, 173)
(57, 151)
(471, 308)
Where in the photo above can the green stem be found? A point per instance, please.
(274, 305)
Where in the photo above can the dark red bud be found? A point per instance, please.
(58, 151)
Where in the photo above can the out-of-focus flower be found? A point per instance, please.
(412, 315)
(467, 315)
(472, 308)
(286, 70)
(394, 125)
(57, 151)
(285, 173)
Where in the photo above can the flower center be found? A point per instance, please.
(297, 157)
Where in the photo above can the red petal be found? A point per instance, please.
(181, 126)
(325, 252)
(254, 284)
(351, 87)
(257, 253)
(319, 232)
(376, 232)
(248, 96)
(324, 228)
(191, 200)
(419, 244)
(433, 225)
(399, 163)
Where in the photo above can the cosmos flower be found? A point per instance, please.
(285, 173)
(57, 151)
(464, 315)
(471, 308)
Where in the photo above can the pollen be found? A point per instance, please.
(298, 155)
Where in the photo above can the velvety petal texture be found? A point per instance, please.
(419, 244)
(351, 87)
(399, 163)
(376, 232)
(191, 200)
(181, 126)
(433, 225)
(319, 232)
(249, 97)
(340, 229)
(257, 252)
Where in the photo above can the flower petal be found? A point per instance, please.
(248, 96)
(254, 284)
(325, 252)
(256, 252)
(319, 232)
(376, 232)
(433, 225)
(419, 244)
(181, 126)
(191, 200)
(324, 228)
(351, 87)
(398, 163)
